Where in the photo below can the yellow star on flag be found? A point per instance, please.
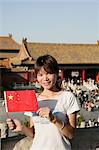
(10, 97)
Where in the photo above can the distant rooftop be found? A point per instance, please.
(8, 43)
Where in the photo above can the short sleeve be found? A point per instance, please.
(71, 104)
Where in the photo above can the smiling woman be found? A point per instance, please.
(47, 72)
(56, 114)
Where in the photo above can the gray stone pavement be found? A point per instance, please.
(90, 115)
(4, 115)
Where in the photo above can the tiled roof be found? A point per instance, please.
(66, 53)
(8, 47)
(8, 43)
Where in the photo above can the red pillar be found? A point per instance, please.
(27, 76)
(83, 75)
(97, 78)
(31, 76)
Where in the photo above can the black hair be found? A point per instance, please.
(49, 64)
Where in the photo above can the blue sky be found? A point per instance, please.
(52, 21)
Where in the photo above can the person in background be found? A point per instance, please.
(54, 124)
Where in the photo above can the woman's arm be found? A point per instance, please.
(67, 130)
(17, 126)
(28, 131)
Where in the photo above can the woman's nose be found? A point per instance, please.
(45, 77)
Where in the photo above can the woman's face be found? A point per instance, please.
(46, 80)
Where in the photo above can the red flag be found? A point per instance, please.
(21, 101)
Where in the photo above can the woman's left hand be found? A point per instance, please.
(45, 112)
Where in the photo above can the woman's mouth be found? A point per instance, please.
(46, 84)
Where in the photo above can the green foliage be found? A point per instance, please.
(26, 123)
(80, 119)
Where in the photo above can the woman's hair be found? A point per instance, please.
(49, 64)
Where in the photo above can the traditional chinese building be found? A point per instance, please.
(17, 60)
(75, 60)
(11, 53)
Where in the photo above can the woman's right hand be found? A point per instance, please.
(14, 125)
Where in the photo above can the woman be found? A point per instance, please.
(55, 121)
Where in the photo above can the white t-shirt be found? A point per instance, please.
(47, 135)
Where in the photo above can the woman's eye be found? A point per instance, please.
(50, 74)
(39, 74)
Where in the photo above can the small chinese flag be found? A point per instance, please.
(20, 101)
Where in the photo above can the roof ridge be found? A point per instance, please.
(72, 44)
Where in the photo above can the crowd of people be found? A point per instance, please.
(87, 93)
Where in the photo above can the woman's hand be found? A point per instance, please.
(14, 125)
(45, 112)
